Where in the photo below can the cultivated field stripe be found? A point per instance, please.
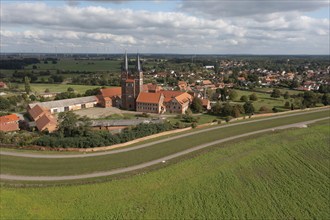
(61, 156)
(150, 163)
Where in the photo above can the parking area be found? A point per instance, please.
(98, 112)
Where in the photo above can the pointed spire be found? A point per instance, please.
(126, 62)
(138, 63)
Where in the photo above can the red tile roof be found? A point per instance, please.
(9, 118)
(9, 123)
(169, 95)
(183, 98)
(36, 111)
(46, 121)
(110, 92)
(146, 97)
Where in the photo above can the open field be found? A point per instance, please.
(265, 100)
(283, 90)
(80, 65)
(71, 166)
(282, 175)
(41, 87)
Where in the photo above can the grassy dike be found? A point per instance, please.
(282, 175)
(72, 166)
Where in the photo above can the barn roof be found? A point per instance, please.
(65, 102)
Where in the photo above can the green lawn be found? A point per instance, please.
(54, 167)
(264, 100)
(40, 88)
(283, 175)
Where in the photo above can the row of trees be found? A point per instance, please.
(234, 110)
(75, 131)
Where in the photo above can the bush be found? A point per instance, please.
(244, 98)
(228, 119)
(253, 97)
(264, 109)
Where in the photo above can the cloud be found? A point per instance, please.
(239, 8)
(89, 28)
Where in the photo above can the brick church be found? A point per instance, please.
(131, 85)
(133, 95)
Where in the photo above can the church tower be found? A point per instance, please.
(131, 85)
(139, 77)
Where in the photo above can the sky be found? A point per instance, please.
(159, 26)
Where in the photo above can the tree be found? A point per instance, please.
(286, 95)
(287, 105)
(326, 99)
(216, 109)
(27, 85)
(70, 89)
(264, 109)
(244, 98)
(197, 105)
(4, 103)
(33, 97)
(224, 93)
(294, 84)
(233, 95)
(235, 112)
(248, 108)
(226, 109)
(276, 93)
(309, 99)
(253, 97)
(324, 88)
(71, 125)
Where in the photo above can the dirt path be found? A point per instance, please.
(150, 163)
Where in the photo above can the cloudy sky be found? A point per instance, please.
(174, 26)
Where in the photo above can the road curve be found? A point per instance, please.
(57, 156)
(150, 163)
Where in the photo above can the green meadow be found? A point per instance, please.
(72, 166)
(264, 99)
(41, 87)
(282, 175)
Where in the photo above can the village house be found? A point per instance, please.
(43, 119)
(206, 104)
(150, 102)
(9, 123)
(110, 97)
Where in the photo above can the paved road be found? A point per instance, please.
(50, 156)
(150, 163)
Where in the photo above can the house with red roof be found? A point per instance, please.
(110, 97)
(43, 118)
(9, 123)
(150, 102)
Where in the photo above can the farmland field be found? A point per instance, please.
(283, 175)
(72, 166)
(40, 87)
(80, 65)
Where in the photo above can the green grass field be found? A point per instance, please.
(55, 167)
(265, 100)
(40, 87)
(81, 65)
(284, 175)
